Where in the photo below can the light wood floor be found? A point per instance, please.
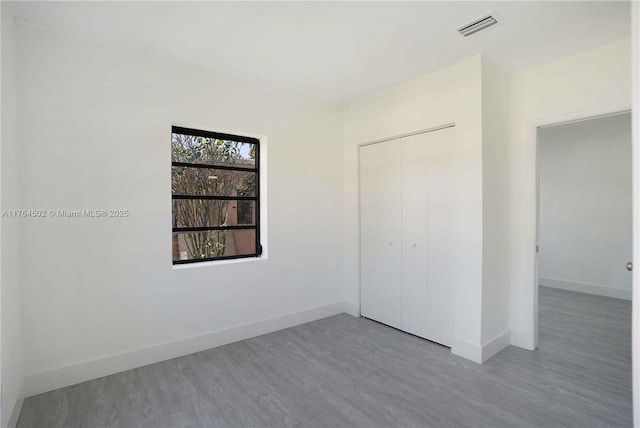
(343, 371)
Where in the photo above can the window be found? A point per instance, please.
(215, 191)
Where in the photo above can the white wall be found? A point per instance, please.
(585, 206)
(450, 95)
(12, 374)
(583, 85)
(95, 129)
(495, 208)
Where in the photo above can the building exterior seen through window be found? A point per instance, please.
(215, 188)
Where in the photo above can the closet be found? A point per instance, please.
(407, 215)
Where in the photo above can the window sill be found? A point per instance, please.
(219, 262)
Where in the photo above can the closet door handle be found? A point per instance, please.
(630, 266)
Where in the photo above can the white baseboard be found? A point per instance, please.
(480, 354)
(467, 350)
(599, 290)
(66, 376)
(15, 413)
(352, 309)
(496, 345)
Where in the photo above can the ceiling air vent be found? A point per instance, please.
(478, 25)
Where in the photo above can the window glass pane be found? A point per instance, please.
(212, 182)
(206, 213)
(215, 243)
(245, 213)
(211, 151)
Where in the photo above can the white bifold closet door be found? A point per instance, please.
(380, 220)
(443, 233)
(407, 200)
(415, 224)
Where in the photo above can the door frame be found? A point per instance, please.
(635, 162)
(532, 237)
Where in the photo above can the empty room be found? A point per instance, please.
(319, 214)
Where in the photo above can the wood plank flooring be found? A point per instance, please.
(352, 372)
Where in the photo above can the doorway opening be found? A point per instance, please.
(584, 242)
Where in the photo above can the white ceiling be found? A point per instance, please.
(338, 51)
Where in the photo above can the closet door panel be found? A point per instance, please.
(380, 232)
(414, 234)
(441, 230)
